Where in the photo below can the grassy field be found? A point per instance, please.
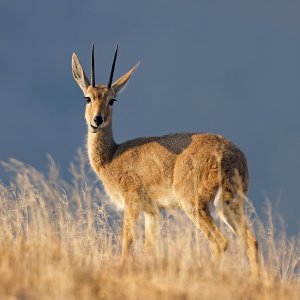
(61, 240)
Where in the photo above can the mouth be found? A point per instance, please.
(94, 129)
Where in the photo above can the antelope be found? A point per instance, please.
(191, 171)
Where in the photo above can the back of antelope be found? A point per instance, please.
(183, 170)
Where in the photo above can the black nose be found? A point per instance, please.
(98, 120)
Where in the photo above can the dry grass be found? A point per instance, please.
(61, 241)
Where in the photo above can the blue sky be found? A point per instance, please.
(228, 67)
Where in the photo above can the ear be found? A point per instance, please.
(79, 74)
(120, 83)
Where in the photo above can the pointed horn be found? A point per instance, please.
(112, 69)
(93, 68)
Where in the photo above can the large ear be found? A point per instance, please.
(120, 83)
(78, 73)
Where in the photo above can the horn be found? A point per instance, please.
(112, 69)
(93, 68)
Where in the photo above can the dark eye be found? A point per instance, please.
(111, 101)
(87, 99)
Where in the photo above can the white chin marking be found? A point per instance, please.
(93, 129)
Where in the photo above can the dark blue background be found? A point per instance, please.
(229, 67)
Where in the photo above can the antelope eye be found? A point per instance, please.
(111, 102)
(87, 99)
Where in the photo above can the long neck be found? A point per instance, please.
(101, 148)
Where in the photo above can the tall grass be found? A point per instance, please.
(61, 240)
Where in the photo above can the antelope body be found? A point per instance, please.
(185, 170)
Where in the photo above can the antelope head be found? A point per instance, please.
(99, 98)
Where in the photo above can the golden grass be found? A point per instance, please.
(61, 240)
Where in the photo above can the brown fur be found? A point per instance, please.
(186, 170)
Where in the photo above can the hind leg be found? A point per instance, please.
(234, 216)
(200, 216)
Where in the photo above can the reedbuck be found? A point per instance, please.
(184, 170)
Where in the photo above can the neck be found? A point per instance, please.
(101, 148)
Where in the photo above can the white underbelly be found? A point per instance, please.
(116, 198)
(162, 200)
(170, 200)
